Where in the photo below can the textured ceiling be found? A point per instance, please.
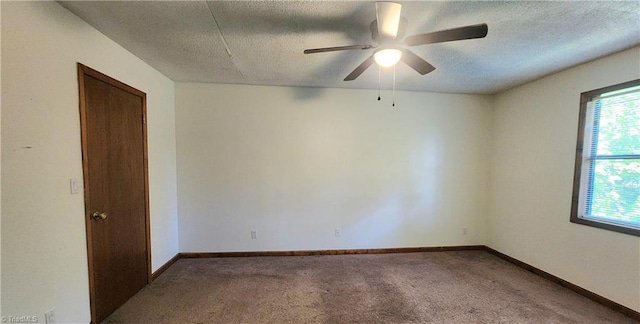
(261, 42)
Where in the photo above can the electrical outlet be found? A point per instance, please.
(338, 232)
(464, 231)
(254, 234)
(50, 317)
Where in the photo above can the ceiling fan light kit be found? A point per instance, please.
(387, 57)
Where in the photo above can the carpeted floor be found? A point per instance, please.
(435, 287)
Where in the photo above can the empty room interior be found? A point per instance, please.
(279, 172)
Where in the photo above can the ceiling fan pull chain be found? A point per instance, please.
(393, 104)
(379, 69)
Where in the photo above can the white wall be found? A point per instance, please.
(43, 229)
(534, 141)
(296, 163)
(0, 166)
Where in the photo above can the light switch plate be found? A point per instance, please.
(74, 186)
(50, 317)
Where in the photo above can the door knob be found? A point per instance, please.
(98, 215)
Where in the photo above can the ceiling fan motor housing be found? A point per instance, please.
(381, 40)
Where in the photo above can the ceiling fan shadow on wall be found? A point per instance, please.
(387, 32)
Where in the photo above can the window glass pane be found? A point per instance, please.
(618, 131)
(615, 193)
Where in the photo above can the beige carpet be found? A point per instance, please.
(436, 287)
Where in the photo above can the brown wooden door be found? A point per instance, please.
(116, 190)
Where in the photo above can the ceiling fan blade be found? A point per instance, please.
(337, 48)
(361, 68)
(388, 17)
(460, 33)
(416, 62)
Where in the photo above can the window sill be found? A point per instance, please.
(607, 226)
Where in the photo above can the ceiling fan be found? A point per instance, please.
(387, 32)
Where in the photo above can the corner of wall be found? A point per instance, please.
(41, 150)
(533, 154)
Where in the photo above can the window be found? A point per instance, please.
(606, 187)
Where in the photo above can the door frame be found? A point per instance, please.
(82, 71)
